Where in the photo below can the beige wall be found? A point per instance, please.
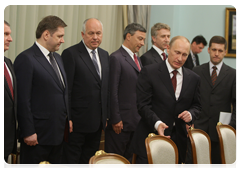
(25, 18)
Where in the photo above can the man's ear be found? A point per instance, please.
(46, 35)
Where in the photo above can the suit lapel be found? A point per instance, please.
(61, 68)
(185, 83)
(129, 59)
(197, 60)
(206, 73)
(88, 61)
(156, 56)
(104, 64)
(165, 77)
(222, 74)
(13, 79)
(45, 64)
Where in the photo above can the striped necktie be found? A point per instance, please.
(214, 75)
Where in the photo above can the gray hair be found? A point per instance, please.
(84, 24)
(157, 27)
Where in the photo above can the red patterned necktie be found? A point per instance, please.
(9, 81)
(164, 56)
(174, 80)
(136, 61)
(214, 75)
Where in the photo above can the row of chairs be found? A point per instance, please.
(163, 153)
(162, 150)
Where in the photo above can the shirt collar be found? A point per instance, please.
(170, 69)
(90, 50)
(128, 51)
(158, 50)
(219, 66)
(43, 49)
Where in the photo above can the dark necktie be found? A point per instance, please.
(9, 81)
(164, 56)
(55, 68)
(94, 59)
(214, 75)
(174, 79)
(136, 61)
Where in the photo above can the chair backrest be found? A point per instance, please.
(107, 158)
(201, 146)
(161, 150)
(227, 141)
(46, 164)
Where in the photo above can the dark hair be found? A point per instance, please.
(199, 39)
(132, 28)
(5, 22)
(218, 40)
(50, 23)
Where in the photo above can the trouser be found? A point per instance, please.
(38, 153)
(119, 143)
(81, 147)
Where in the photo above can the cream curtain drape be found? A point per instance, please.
(140, 14)
(25, 18)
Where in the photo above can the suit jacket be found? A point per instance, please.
(156, 101)
(150, 57)
(217, 98)
(123, 99)
(10, 113)
(42, 103)
(189, 62)
(88, 94)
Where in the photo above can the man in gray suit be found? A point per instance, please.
(218, 92)
(160, 34)
(124, 69)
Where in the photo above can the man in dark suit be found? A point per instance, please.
(166, 107)
(42, 95)
(160, 34)
(124, 69)
(218, 95)
(197, 45)
(10, 99)
(87, 69)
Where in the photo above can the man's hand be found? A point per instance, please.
(70, 126)
(117, 127)
(31, 140)
(185, 116)
(161, 128)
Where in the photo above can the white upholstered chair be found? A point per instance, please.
(201, 146)
(227, 141)
(161, 150)
(102, 157)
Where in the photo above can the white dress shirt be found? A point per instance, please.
(45, 53)
(130, 53)
(219, 66)
(97, 57)
(179, 78)
(159, 51)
